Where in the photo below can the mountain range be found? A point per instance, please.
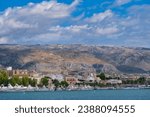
(76, 58)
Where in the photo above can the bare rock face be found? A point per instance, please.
(108, 68)
(79, 58)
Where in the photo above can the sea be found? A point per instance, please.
(117, 94)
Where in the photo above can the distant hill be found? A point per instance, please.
(62, 58)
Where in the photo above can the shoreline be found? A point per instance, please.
(34, 89)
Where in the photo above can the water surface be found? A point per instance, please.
(132, 94)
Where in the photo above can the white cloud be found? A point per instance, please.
(51, 9)
(107, 31)
(36, 14)
(100, 17)
(72, 28)
(51, 21)
(12, 23)
(23, 23)
(3, 40)
(121, 2)
(75, 3)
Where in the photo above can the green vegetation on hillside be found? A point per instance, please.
(102, 76)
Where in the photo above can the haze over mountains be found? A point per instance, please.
(62, 58)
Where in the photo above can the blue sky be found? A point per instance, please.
(96, 22)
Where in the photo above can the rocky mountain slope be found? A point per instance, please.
(62, 58)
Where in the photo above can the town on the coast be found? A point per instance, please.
(30, 80)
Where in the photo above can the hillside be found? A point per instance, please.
(79, 58)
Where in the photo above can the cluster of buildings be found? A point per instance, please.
(131, 76)
(24, 73)
(71, 77)
(74, 77)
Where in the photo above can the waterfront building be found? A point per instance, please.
(17, 72)
(71, 80)
(114, 81)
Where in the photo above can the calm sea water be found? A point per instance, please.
(139, 94)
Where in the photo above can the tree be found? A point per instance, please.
(64, 84)
(33, 82)
(45, 81)
(56, 82)
(17, 80)
(4, 78)
(102, 76)
(142, 80)
(12, 82)
(1, 78)
(25, 81)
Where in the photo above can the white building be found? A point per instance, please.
(9, 68)
(114, 81)
(59, 77)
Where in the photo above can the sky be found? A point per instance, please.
(90, 22)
